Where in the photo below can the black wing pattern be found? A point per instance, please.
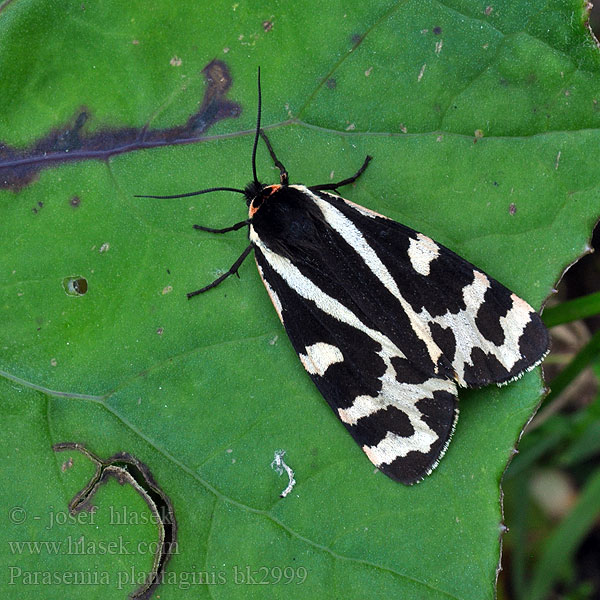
(388, 323)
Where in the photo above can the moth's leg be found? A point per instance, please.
(225, 229)
(334, 186)
(233, 270)
(283, 174)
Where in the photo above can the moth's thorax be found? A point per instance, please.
(287, 220)
(258, 196)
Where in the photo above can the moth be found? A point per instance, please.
(387, 322)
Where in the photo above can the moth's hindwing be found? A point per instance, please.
(388, 323)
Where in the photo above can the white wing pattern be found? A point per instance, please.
(388, 323)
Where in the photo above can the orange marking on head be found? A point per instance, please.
(265, 193)
(272, 189)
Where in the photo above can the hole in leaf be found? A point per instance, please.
(75, 286)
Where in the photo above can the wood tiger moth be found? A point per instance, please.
(387, 322)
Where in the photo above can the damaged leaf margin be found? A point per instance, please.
(126, 468)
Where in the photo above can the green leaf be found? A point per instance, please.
(483, 125)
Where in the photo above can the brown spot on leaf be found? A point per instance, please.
(75, 201)
(267, 25)
(72, 142)
(437, 30)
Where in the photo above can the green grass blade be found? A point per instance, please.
(572, 310)
(580, 361)
(565, 539)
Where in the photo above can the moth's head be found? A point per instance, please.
(256, 193)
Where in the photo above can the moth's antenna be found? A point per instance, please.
(256, 134)
(214, 189)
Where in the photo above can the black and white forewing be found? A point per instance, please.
(401, 418)
(401, 413)
(388, 322)
(486, 332)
